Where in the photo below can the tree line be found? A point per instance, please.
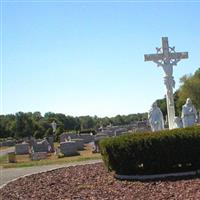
(34, 124)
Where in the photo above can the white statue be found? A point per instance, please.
(178, 122)
(189, 113)
(54, 126)
(155, 117)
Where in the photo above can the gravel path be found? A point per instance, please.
(7, 175)
(93, 182)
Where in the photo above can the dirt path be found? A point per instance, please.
(6, 175)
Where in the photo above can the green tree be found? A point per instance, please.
(190, 87)
(7, 126)
(87, 122)
(24, 125)
(38, 134)
(59, 131)
(49, 132)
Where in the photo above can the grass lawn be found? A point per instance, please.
(25, 161)
(3, 148)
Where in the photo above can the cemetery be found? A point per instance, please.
(160, 157)
(99, 100)
(43, 158)
(143, 160)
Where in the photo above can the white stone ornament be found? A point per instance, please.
(189, 114)
(178, 122)
(54, 126)
(155, 118)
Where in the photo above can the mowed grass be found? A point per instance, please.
(4, 148)
(25, 160)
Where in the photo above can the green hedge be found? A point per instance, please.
(87, 131)
(151, 153)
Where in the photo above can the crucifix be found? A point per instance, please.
(166, 57)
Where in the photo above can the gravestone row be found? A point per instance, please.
(37, 149)
(7, 143)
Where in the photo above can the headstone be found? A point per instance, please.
(120, 131)
(189, 113)
(87, 138)
(109, 132)
(79, 143)
(22, 149)
(38, 155)
(155, 117)
(7, 143)
(42, 146)
(10, 143)
(167, 57)
(65, 136)
(69, 148)
(143, 126)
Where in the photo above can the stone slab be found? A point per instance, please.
(21, 149)
(69, 148)
(38, 155)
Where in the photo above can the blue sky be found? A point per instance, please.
(87, 58)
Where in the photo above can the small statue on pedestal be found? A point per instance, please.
(155, 117)
(189, 114)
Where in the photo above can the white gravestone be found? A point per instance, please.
(155, 117)
(189, 113)
(166, 57)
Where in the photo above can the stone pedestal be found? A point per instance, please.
(38, 155)
(12, 157)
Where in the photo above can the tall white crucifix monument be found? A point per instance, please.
(166, 57)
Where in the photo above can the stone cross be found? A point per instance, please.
(166, 57)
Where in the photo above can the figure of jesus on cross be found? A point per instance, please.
(166, 57)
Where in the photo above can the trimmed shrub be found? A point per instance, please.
(151, 153)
